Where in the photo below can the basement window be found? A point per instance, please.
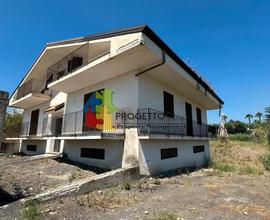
(94, 153)
(198, 149)
(168, 153)
(31, 147)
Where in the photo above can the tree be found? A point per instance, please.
(249, 117)
(235, 127)
(259, 116)
(267, 120)
(13, 124)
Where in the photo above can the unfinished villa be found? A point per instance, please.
(115, 99)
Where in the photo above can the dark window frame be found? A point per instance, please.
(199, 115)
(31, 147)
(168, 103)
(198, 149)
(93, 153)
(166, 153)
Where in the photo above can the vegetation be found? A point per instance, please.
(13, 124)
(165, 215)
(224, 167)
(249, 117)
(31, 211)
(126, 185)
(266, 160)
(259, 116)
(241, 157)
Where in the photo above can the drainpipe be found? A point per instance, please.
(155, 66)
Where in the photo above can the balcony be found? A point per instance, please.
(93, 63)
(174, 125)
(31, 93)
(72, 125)
(75, 61)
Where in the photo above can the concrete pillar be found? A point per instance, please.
(131, 146)
(3, 107)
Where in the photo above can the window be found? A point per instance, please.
(168, 153)
(95, 153)
(168, 104)
(199, 116)
(31, 147)
(198, 149)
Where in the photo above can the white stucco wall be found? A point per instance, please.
(150, 156)
(151, 96)
(113, 152)
(125, 93)
(41, 147)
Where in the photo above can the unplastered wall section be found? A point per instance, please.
(124, 88)
(151, 96)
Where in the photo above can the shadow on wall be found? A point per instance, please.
(94, 169)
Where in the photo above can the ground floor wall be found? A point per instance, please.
(33, 147)
(9, 147)
(112, 149)
(150, 158)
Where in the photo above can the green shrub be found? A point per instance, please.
(266, 161)
(224, 167)
(240, 137)
(31, 210)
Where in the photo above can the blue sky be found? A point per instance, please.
(227, 42)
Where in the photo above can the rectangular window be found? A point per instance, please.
(168, 104)
(199, 116)
(95, 153)
(168, 153)
(31, 147)
(198, 149)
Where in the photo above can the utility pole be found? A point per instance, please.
(3, 107)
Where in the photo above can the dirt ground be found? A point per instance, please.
(198, 195)
(236, 187)
(21, 179)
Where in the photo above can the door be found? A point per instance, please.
(56, 147)
(34, 122)
(189, 119)
(58, 126)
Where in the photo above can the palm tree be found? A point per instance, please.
(249, 117)
(259, 116)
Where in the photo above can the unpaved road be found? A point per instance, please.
(195, 196)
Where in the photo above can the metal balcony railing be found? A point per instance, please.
(32, 129)
(31, 86)
(150, 122)
(158, 123)
(70, 63)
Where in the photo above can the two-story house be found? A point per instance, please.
(113, 99)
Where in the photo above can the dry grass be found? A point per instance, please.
(248, 208)
(242, 157)
(107, 199)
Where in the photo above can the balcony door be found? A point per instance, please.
(58, 126)
(34, 122)
(189, 119)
